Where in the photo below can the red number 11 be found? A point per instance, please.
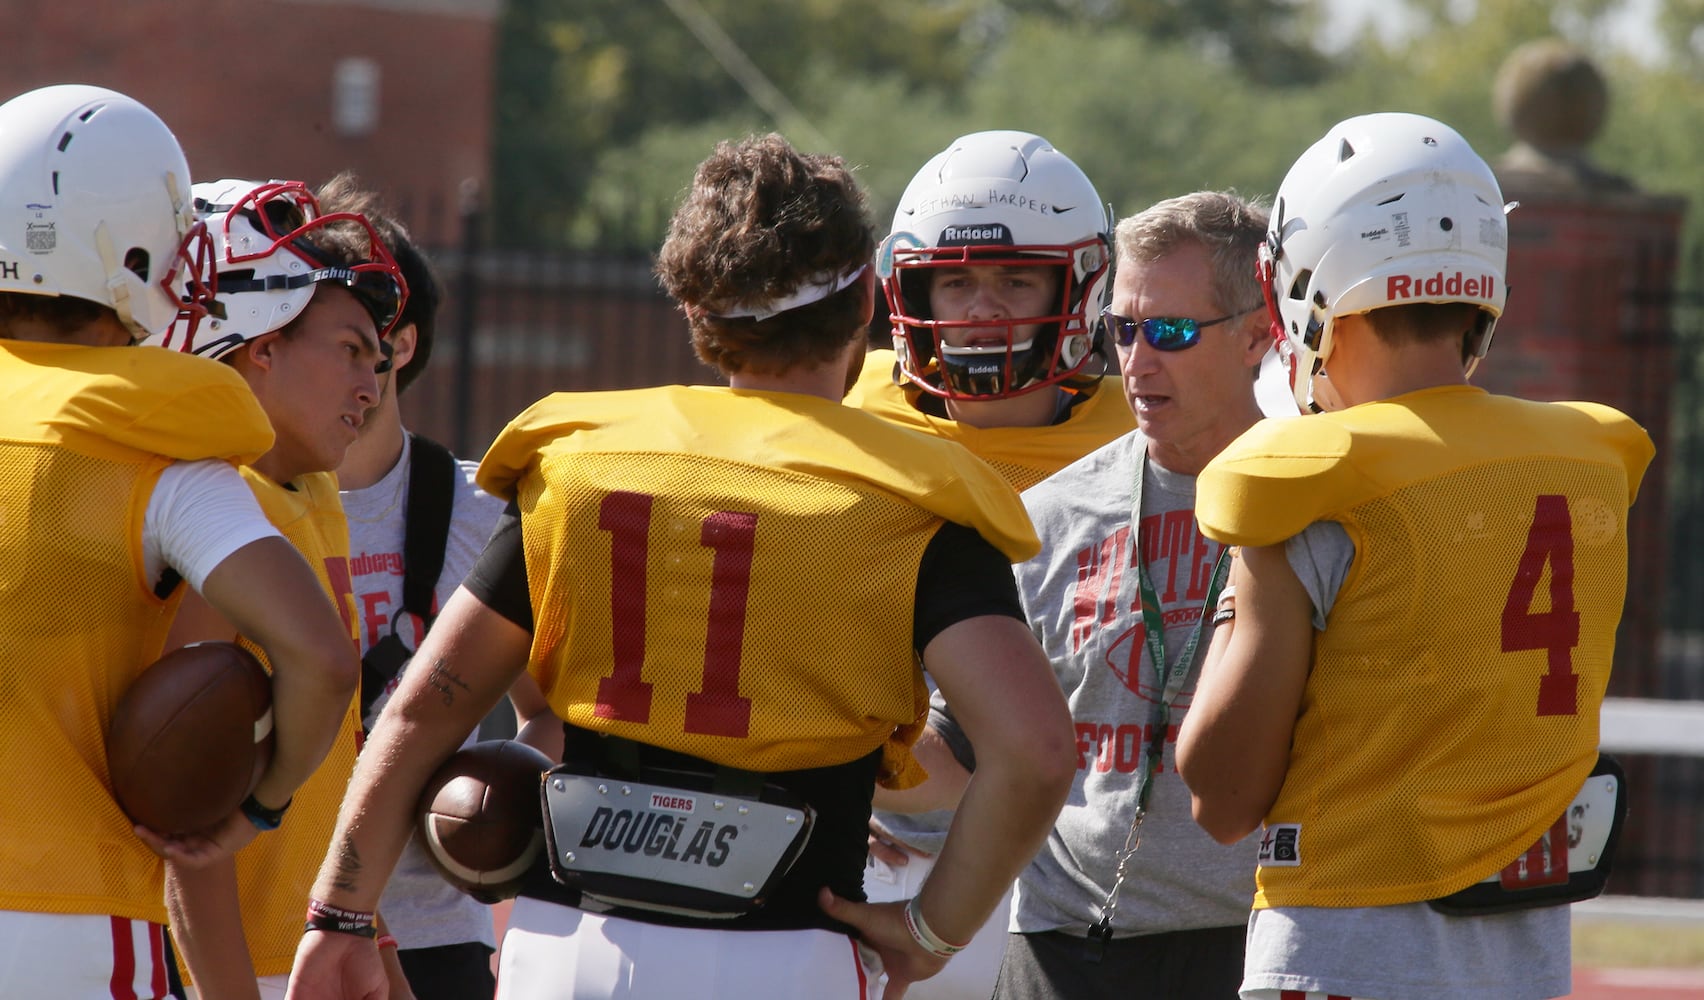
(717, 709)
(1557, 631)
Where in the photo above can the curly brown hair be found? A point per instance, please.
(761, 220)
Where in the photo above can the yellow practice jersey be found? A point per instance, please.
(1023, 455)
(276, 872)
(84, 435)
(1451, 713)
(731, 573)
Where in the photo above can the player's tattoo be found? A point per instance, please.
(346, 873)
(446, 682)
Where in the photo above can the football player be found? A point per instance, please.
(120, 487)
(1404, 689)
(724, 592)
(408, 500)
(995, 272)
(305, 298)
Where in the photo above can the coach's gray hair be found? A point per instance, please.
(1230, 226)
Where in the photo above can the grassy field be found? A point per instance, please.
(1609, 943)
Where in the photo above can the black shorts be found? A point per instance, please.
(451, 972)
(1176, 965)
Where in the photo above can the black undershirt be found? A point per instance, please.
(960, 576)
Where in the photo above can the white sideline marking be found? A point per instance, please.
(1640, 910)
(1650, 979)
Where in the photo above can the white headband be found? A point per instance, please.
(815, 290)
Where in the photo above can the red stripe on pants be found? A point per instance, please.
(858, 963)
(123, 961)
(157, 951)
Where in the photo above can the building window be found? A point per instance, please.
(355, 96)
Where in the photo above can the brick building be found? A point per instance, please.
(401, 91)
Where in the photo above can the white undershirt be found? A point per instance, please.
(199, 514)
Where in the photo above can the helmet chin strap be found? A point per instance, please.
(118, 283)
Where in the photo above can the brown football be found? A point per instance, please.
(481, 819)
(190, 737)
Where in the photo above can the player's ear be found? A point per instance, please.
(403, 340)
(258, 355)
(867, 282)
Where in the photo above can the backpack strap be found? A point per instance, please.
(432, 476)
(432, 473)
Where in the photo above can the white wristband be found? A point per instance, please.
(926, 938)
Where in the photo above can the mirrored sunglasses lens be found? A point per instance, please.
(1170, 334)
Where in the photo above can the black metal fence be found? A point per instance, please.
(1663, 852)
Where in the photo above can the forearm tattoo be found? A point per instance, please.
(445, 681)
(347, 866)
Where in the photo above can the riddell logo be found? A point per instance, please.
(995, 232)
(1404, 286)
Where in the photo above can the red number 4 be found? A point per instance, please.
(1557, 631)
(717, 709)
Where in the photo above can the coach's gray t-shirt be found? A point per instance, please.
(1082, 599)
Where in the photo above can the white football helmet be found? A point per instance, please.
(269, 247)
(1002, 199)
(1386, 209)
(95, 205)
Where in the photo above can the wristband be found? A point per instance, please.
(1226, 609)
(263, 818)
(385, 941)
(325, 917)
(926, 938)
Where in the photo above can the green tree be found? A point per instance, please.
(579, 79)
(584, 84)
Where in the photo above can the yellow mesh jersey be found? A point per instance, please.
(1024, 456)
(730, 573)
(1452, 709)
(84, 434)
(277, 870)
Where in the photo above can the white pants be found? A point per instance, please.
(970, 974)
(552, 952)
(75, 956)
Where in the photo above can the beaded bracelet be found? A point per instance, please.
(927, 939)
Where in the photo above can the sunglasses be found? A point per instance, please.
(289, 215)
(1163, 333)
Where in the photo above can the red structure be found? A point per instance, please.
(1591, 285)
(401, 91)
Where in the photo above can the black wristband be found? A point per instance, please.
(337, 925)
(325, 917)
(262, 817)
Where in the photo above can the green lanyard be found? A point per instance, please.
(1169, 683)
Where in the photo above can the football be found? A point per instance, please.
(481, 819)
(190, 737)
